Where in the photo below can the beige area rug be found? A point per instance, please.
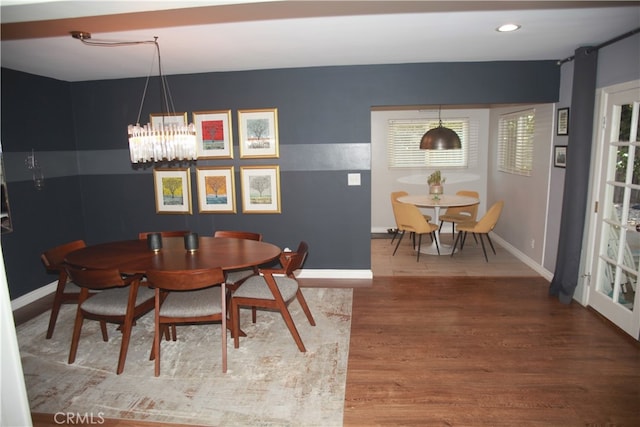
(268, 381)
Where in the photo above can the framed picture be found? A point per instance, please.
(563, 121)
(216, 189)
(173, 190)
(167, 119)
(260, 189)
(560, 156)
(258, 133)
(213, 134)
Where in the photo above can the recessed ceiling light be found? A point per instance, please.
(507, 28)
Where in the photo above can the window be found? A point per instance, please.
(515, 148)
(403, 144)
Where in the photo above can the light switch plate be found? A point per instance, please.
(353, 179)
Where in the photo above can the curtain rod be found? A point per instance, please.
(601, 45)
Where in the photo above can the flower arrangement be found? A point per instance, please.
(435, 178)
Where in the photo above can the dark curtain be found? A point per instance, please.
(576, 183)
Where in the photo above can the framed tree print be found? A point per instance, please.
(213, 134)
(216, 189)
(173, 191)
(563, 121)
(158, 120)
(260, 189)
(258, 133)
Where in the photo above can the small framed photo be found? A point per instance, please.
(260, 189)
(563, 121)
(158, 120)
(258, 131)
(173, 191)
(216, 189)
(213, 134)
(560, 156)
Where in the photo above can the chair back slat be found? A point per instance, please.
(96, 279)
(247, 235)
(185, 280)
(177, 233)
(53, 259)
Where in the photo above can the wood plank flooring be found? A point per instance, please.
(447, 348)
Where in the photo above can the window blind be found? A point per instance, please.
(516, 137)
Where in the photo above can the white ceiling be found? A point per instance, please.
(245, 35)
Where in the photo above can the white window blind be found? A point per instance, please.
(403, 144)
(516, 137)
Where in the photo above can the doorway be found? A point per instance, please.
(615, 263)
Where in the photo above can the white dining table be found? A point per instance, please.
(436, 202)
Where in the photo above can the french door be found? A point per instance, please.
(616, 261)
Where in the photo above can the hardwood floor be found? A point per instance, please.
(490, 350)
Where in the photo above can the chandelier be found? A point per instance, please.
(160, 141)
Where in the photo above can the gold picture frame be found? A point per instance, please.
(158, 120)
(172, 190)
(258, 131)
(216, 189)
(260, 189)
(214, 135)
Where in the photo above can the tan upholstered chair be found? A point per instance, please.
(480, 228)
(458, 214)
(190, 296)
(66, 290)
(411, 219)
(120, 300)
(273, 289)
(394, 200)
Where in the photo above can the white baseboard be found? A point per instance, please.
(522, 257)
(33, 296)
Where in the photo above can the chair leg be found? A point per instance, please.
(489, 239)
(455, 243)
(435, 240)
(398, 244)
(124, 346)
(103, 329)
(57, 302)
(77, 328)
(419, 245)
(483, 249)
(305, 307)
(235, 320)
(292, 328)
(395, 234)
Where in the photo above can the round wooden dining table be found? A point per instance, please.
(133, 256)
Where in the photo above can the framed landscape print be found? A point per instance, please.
(213, 134)
(173, 190)
(216, 189)
(258, 133)
(260, 189)
(158, 120)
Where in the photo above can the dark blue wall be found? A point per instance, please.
(320, 110)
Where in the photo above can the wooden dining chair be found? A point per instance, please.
(234, 278)
(120, 300)
(459, 214)
(188, 296)
(480, 228)
(66, 291)
(273, 289)
(411, 219)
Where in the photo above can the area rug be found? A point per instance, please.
(269, 382)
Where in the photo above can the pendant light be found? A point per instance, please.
(440, 138)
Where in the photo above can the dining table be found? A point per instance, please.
(135, 257)
(436, 202)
